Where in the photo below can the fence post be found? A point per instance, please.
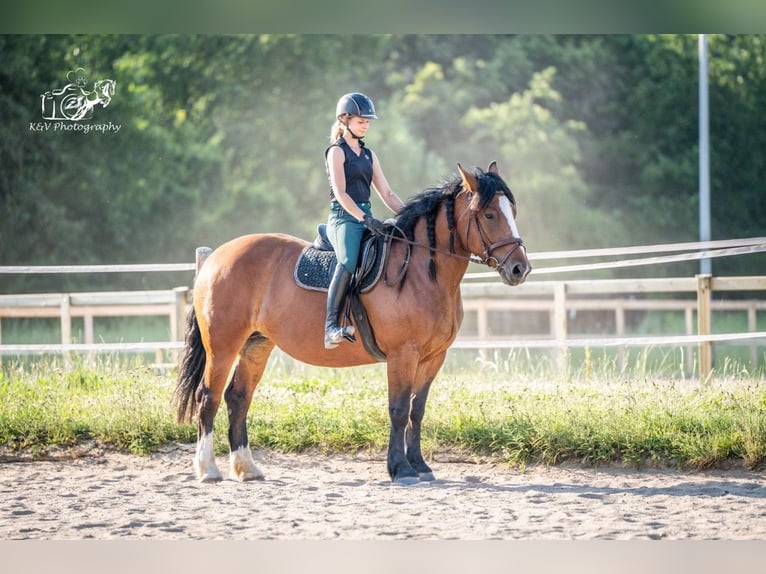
(481, 319)
(560, 325)
(689, 322)
(88, 327)
(752, 326)
(178, 317)
(178, 324)
(66, 326)
(481, 324)
(619, 324)
(704, 295)
(201, 254)
(66, 320)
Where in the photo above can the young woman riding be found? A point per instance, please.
(351, 168)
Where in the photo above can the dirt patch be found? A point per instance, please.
(107, 495)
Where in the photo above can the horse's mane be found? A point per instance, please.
(426, 205)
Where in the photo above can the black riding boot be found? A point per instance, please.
(334, 333)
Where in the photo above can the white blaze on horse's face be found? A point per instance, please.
(507, 209)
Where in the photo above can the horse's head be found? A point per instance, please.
(486, 217)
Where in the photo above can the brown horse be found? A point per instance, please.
(246, 302)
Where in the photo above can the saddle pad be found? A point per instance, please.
(314, 268)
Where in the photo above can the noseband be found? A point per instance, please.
(487, 248)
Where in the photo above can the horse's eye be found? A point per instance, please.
(489, 215)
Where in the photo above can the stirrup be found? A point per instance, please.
(336, 335)
(348, 333)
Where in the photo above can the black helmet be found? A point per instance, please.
(356, 104)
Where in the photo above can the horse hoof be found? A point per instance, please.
(406, 480)
(426, 476)
(242, 467)
(207, 473)
(248, 476)
(210, 478)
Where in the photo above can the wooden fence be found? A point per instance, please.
(559, 298)
(556, 298)
(172, 304)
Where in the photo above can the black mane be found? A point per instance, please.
(426, 205)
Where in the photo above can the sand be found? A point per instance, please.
(108, 495)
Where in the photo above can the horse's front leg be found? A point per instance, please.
(424, 376)
(412, 435)
(399, 468)
(399, 405)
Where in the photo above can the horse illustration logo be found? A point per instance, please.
(74, 102)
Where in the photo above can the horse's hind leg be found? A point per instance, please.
(209, 394)
(239, 394)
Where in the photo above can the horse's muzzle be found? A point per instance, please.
(515, 272)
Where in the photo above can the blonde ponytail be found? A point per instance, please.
(336, 131)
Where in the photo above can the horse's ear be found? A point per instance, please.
(470, 183)
(493, 168)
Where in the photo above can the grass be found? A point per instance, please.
(51, 406)
(597, 415)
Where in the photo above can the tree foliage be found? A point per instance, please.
(224, 135)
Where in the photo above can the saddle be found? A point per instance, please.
(316, 265)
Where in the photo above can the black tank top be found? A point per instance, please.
(357, 170)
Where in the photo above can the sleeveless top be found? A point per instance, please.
(357, 170)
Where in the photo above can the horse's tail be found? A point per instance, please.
(191, 371)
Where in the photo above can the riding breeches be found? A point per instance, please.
(345, 234)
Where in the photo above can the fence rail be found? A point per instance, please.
(172, 304)
(561, 298)
(556, 298)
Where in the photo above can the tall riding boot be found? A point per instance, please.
(334, 333)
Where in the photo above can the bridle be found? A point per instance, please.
(487, 247)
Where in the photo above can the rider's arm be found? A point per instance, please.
(383, 188)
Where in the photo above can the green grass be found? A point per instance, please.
(596, 415)
(119, 405)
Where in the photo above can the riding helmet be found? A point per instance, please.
(355, 104)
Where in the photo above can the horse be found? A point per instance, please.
(246, 302)
(102, 93)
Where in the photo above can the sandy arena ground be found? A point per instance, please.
(106, 495)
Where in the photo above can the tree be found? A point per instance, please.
(224, 135)
(543, 159)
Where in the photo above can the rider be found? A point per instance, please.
(351, 168)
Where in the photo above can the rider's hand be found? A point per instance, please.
(374, 225)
